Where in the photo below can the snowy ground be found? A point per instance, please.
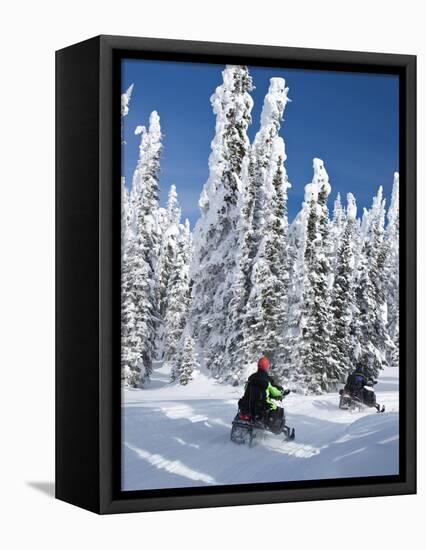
(176, 436)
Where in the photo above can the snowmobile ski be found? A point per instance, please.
(290, 434)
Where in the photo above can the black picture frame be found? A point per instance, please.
(88, 439)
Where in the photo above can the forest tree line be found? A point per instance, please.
(319, 296)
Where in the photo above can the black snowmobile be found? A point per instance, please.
(257, 408)
(358, 393)
(245, 428)
(257, 412)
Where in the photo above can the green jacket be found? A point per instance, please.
(272, 391)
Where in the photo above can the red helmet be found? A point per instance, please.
(263, 363)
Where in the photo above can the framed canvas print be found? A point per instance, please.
(235, 274)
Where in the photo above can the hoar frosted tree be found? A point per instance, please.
(125, 101)
(178, 297)
(268, 259)
(216, 235)
(337, 226)
(391, 275)
(315, 333)
(370, 323)
(139, 312)
(169, 245)
(343, 297)
(186, 364)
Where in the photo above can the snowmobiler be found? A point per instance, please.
(257, 409)
(358, 393)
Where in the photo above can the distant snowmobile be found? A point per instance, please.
(257, 410)
(359, 393)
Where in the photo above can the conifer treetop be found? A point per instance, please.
(338, 211)
(125, 100)
(274, 103)
(320, 182)
(232, 105)
(393, 212)
(173, 209)
(154, 127)
(351, 208)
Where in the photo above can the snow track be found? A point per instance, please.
(177, 436)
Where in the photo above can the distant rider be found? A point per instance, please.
(355, 383)
(359, 386)
(257, 402)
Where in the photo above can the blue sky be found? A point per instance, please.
(350, 120)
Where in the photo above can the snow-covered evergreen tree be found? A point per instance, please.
(337, 226)
(145, 180)
(186, 364)
(136, 316)
(391, 275)
(293, 370)
(343, 299)
(370, 323)
(168, 248)
(125, 100)
(139, 304)
(315, 341)
(236, 353)
(216, 235)
(267, 304)
(393, 353)
(126, 210)
(145, 187)
(177, 296)
(125, 222)
(169, 223)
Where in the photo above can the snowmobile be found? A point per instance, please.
(245, 428)
(358, 399)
